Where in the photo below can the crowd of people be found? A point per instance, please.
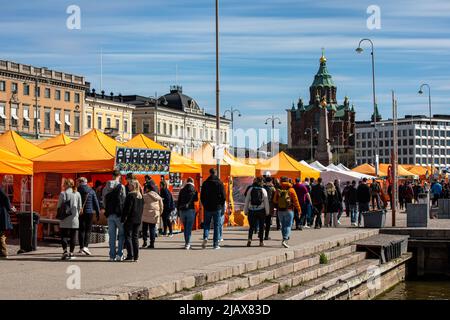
(134, 209)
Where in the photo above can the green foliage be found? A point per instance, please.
(198, 296)
(323, 258)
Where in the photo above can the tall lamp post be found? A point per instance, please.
(431, 132)
(375, 113)
(272, 119)
(232, 111)
(217, 87)
(312, 131)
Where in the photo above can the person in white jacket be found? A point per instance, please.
(256, 208)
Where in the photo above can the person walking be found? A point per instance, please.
(131, 219)
(352, 199)
(169, 206)
(436, 191)
(304, 198)
(113, 196)
(332, 205)
(213, 199)
(186, 207)
(375, 191)
(70, 204)
(90, 206)
(345, 198)
(5, 222)
(401, 196)
(363, 197)
(286, 200)
(318, 198)
(150, 185)
(409, 193)
(339, 194)
(270, 189)
(299, 190)
(152, 212)
(256, 207)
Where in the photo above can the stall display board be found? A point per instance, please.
(142, 161)
(175, 179)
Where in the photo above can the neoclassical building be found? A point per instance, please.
(304, 120)
(176, 121)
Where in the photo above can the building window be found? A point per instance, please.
(125, 126)
(67, 123)
(411, 142)
(418, 151)
(170, 129)
(26, 116)
(442, 133)
(76, 122)
(158, 129)
(145, 127)
(108, 122)
(89, 121)
(436, 133)
(2, 114)
(443, 143)
(14, 87)
(37, 92)
(117, 124)
(77, 98)
(424, 132)
(67, 96)
(448, 134)
(14, 115)
(57, 120)
(164, 128)
(194, 133)
(99, 122)
(47, 113)
(133, 127)
(57, 94)
(381, 143)
(2, 86)
(47, 93)
(417, 132)
(26, 89)
(188, 132)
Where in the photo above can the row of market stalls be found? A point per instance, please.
(33, 174)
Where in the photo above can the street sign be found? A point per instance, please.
(219, 152)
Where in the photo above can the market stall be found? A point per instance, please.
(318, 166)
(55, 143)
(14, 143)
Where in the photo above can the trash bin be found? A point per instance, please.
(27, 235)
(374, 219)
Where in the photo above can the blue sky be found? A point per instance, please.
(270, 49)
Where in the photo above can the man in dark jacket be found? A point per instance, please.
(351, 198)
(318, 197)
(5, 221)
(363, 197)
(186, 207)
(90, 206)
(213, 199)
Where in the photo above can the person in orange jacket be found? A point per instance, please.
(285, 200)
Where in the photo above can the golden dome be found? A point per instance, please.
(323, 59)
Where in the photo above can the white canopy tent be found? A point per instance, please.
(318, 166)
(335, 173)
(303, 162)
(342, 167)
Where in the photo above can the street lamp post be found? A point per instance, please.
(217, 87)
(431, 132)
(232, 111)
(311, 131)
(360, 50)
(272, 119)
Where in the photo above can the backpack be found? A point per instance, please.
(113, 202)
(270, 191)
(375, 187)
(185, 198)
(284, 199)
(65, 210)
(256, 196)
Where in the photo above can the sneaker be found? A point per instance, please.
(86, 251)
(339, 222)
(71, 256)
(216, 247)
(284, 244)
(65, 256)
(144, 244)
(204, 244)
(120, 258)
(128, 259)
(261, 243)
(112, 260)
(170, 235)
(151, 245)
(249, 243)
(221, 240)
(187, 247)
(307, 227)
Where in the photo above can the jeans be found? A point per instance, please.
(68, 239)
(305, 218)
(148, 228)
(376, 198)
(84, 232)
(215, 216)
(318, 215)
(188, 219)
(115, 231)
(132, 240)
(222, 221)
(256, 218)
(362, 207)
(286, 219)
(353, 212)
(166, 224)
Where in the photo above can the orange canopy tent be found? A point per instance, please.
(93, 152)
(55, 143)
(283, 165)
(418, 170)
(178, 163)
(14, 143)
(369, 170)
(229, 167)
(11, 163)
(402, 172)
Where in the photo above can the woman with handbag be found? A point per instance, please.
(153, 208)
(332, 206)
(131, 219)
(69, 206)
(169, 206)
(90, 206)
(186, 206)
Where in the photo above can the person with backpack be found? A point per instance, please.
(270, 189)
(332, 205)
(169, 206)
(286, 201)
(318, 198)
(186, 207)
(213, 199)
(69, 206)
(363, 197)
(375, 191)
(153, 209)
(256, 207)
(113, 195)
(5, 221)
(131, 219)
(90, 206)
